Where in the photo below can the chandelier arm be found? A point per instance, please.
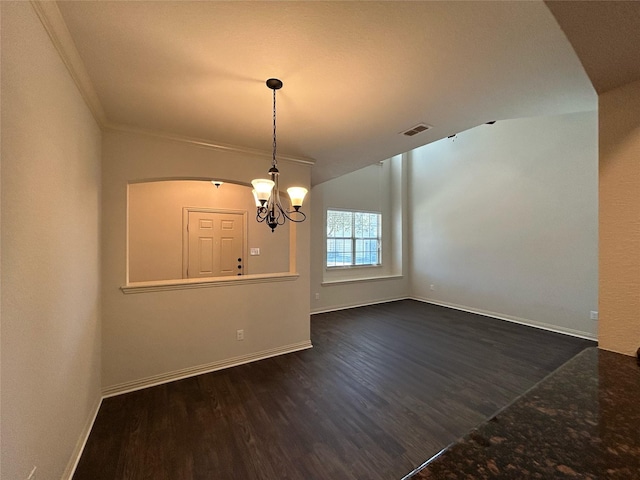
(274, 208)
(261, 214)
(282, 214)
(289, 216)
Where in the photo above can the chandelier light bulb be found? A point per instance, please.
(296, 194)
(263, 189)
(256, 199)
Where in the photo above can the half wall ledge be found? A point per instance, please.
(184, 284)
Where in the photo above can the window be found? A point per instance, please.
(353, 238)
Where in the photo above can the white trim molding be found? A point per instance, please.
(348, 307)
(159, 379)
(82, 442)
(53, 22)
(200, 142)
(55, 26)
(512, 319)
(327, 283)
(188, 283)
(166, 378)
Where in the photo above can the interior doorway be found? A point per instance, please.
(214, 242)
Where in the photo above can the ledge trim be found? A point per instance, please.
(185, 284)
(363, 279)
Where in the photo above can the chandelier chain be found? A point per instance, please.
(273, 161)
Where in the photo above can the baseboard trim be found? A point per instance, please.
(512, 319)
(357, 305)
(82, 442)
(154, 380)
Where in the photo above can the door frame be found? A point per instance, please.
(185, 235)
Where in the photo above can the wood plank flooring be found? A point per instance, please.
(384, 388)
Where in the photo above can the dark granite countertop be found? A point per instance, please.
(581, 422)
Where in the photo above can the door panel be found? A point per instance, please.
(205, 257)
(228, 261)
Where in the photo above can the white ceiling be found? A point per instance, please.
(355, 74)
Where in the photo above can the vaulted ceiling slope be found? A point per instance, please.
(355, 74)
(606, 38)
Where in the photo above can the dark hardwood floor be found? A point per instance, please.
(384, 388)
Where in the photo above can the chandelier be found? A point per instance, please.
(266, 192)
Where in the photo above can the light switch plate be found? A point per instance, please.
(255, 251)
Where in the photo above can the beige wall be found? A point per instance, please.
(156, 227)
(157, 333)
(504, 221)
(619, 123)
(50, 254)
(379, 187)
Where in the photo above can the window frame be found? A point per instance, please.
(353, 238)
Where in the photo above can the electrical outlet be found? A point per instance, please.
(317, 296)
(239, 335)
(32, 475)
(432, 287)
(593, 315)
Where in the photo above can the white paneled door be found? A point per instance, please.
(215, 246)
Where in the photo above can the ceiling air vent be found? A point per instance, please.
(416, 130)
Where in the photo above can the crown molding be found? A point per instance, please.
(55, 26)
(205, 143)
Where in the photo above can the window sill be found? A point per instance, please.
(351, 267)
(363, 279)
(184, 284)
